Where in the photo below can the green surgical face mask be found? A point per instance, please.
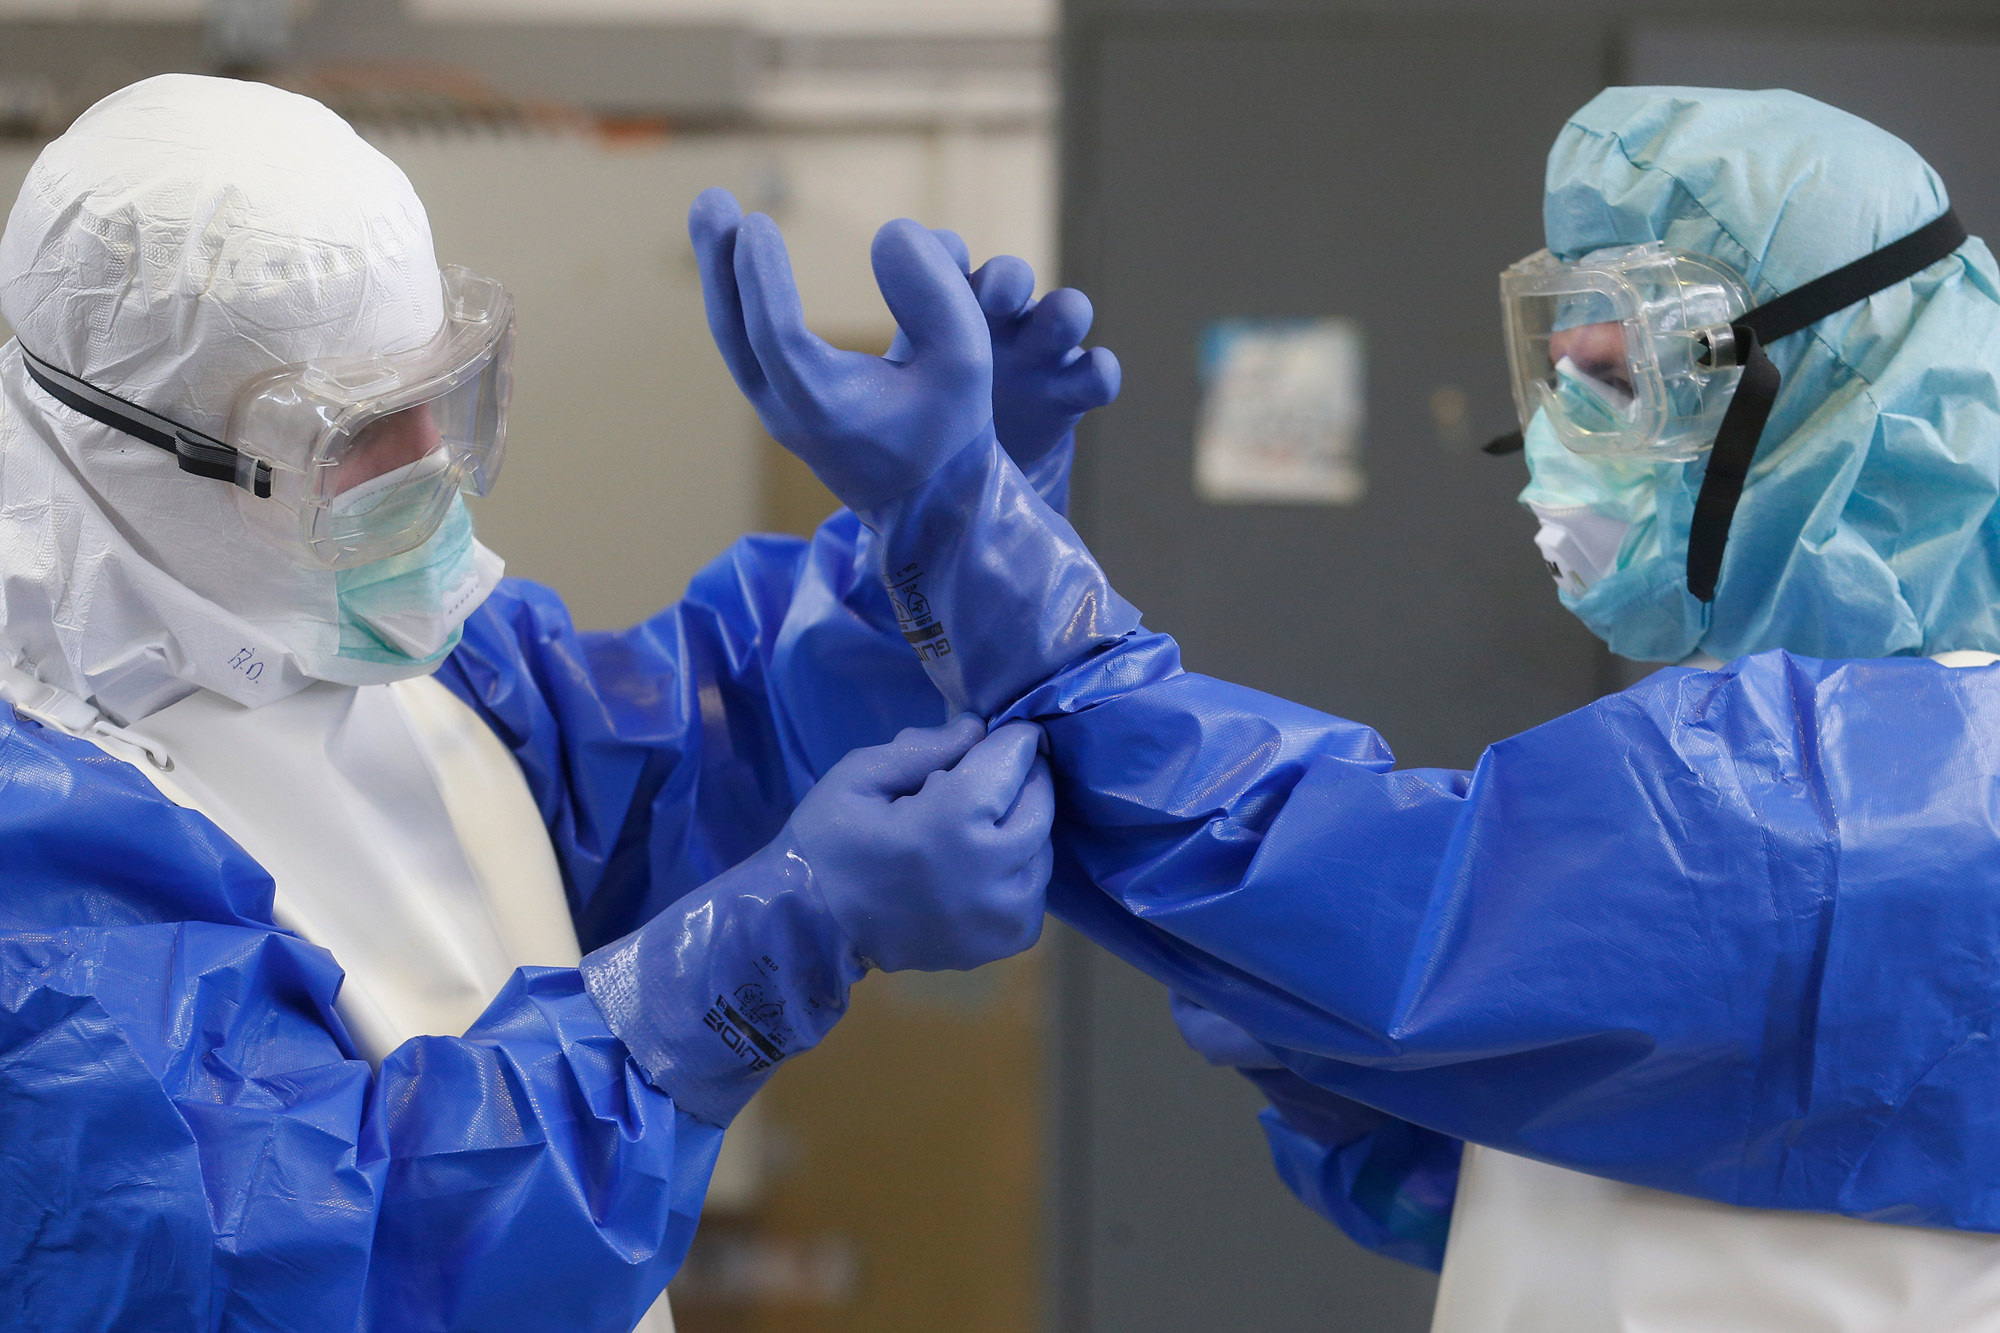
(1620, 488)
(1605, 536)
(411, 608)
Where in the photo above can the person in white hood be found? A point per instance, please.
(376, 950)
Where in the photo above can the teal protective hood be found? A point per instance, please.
(1868, 528)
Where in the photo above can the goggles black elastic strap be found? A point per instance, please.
(198, 454)
(1729, 462)
(1833, 292)
(1742, 427)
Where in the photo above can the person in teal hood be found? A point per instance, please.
(1675, 1012)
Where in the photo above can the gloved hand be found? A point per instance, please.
(1325, 1116)
(991, 587)
(1044, 382)
(929, 852)
(1217, 1040)
(932, 851)
(868, 427)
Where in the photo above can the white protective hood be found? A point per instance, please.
(186, 234)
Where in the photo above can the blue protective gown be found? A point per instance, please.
(191, 1140)
(1730, 933)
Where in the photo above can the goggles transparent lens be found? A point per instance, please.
(387, 514)
(367, 452)
(1608, 348)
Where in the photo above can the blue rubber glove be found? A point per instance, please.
(989, 584)
(1326, 1116)
(868, 427)
(930, 852)
(933, 851)
(1043, 381)
(1387, 1183)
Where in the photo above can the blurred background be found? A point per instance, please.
(1291, 215)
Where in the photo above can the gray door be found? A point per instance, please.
(1940, 95)
(1285, 168)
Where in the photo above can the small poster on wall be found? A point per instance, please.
(1281, 413)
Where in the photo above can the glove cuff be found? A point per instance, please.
(1050, 473)
(711, 995)
(993, 588)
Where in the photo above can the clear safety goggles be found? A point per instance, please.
(354, 458)
(1627, 350)
(368, 451)
(1653, 353)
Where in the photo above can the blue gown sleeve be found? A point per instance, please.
(1728, 933)
(192, 1144)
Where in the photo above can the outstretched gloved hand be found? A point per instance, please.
(989, 585)
(1385, 1182)
(930, 852)
(1328, 1117)
(1217, 1040)
(869, 427)
(1043, 380)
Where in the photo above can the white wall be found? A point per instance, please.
(15, 159)
(833, 191)
(629, 459)
(101, 9)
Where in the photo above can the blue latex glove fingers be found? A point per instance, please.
(1050, 336)
(955, 246)
(926, 289)
(1056, 324)
(1092, 380)
(996, 780)
(1043, 382)
(804, 371)
(1004, 287)
(1002, 793)
(932, 852)
(712, 224)
(905, 765)
(868, 427)
(1219, 1041)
